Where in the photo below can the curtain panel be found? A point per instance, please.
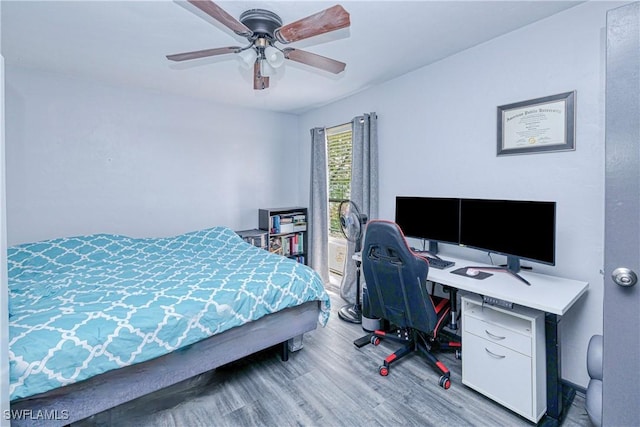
(318, 224)
(364, 189)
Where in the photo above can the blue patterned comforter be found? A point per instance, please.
(85, 305)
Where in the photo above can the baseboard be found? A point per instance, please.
(575, 387)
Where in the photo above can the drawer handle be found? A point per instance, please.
(496, 356)
(495, 337)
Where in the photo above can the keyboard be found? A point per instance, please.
(440, 264)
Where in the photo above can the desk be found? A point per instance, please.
(547, 293)
(552, 295)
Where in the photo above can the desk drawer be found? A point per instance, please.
(499, 373)
(507, 331)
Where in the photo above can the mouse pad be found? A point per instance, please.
(463, 272)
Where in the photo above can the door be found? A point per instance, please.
(621, 357)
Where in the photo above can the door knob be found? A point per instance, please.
(624, 276)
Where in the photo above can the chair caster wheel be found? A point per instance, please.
(458, 354)
(375, 340)
(445, 382)
(383, 370)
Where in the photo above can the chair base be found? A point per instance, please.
(414, 342)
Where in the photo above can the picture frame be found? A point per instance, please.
(537, 125)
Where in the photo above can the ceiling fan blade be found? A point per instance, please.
(220, 15)
(203, 53)
(322, 22)
(259, 81)
(314, 60)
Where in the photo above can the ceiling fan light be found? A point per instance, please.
(266, 69)
(248, 57)
(274, 57)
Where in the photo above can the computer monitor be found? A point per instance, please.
(435, 219)
(518, 229)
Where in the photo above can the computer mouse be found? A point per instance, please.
(472, 272)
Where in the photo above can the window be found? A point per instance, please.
(339, 149)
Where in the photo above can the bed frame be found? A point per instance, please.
(81, 400)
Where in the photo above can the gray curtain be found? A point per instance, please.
(364, 188)
(318, 223)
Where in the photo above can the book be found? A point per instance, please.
(275, 224)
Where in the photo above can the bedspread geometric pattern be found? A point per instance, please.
(81, 306)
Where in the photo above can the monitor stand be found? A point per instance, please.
(512, 268)
(432, 251)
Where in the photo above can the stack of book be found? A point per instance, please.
(289, 223)
(288, 245)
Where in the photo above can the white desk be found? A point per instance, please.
(546, 293)
(552, 295)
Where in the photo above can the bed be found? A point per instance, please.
(99, 320)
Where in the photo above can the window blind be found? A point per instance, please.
(339, 152)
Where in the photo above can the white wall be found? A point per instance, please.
(84, 157)
(437, 137)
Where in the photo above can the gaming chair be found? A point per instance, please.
(396, 280)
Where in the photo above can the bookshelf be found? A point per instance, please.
(286, 231)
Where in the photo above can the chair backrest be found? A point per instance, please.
(395, 277)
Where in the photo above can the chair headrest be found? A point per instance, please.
(381, 235)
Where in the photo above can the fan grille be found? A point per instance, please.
(350, 220)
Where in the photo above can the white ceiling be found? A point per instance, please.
(125, 43)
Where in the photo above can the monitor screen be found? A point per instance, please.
(432, 218)
(523, 229)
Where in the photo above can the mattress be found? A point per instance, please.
(84, 305)
(65, 405)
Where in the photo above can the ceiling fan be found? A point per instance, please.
(263, 29)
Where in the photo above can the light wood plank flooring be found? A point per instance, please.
(330, 382)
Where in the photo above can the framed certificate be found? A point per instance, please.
(537, 125)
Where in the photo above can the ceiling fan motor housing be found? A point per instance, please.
(261, 22)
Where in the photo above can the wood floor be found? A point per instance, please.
(330, 382)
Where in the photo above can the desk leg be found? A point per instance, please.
(453, 298)
(559, 396)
